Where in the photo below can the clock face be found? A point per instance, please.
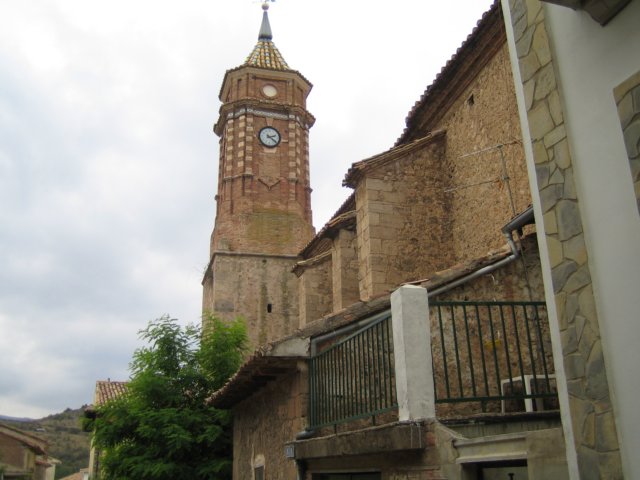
(269, 136)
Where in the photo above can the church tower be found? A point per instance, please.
(263, 211)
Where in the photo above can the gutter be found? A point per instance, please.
(517, 223)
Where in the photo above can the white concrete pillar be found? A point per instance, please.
(412, 352)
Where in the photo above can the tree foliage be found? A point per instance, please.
(163, 427)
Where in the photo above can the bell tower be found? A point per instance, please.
(263, 201)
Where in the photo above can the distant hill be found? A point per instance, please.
(67, 442)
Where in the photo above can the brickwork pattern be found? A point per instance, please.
(627, 97)
(589, 398)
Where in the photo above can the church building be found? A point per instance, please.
(415, 336)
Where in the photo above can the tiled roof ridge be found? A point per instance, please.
(355, 171)
(450, 66)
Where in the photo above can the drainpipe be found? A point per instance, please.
(525, 218)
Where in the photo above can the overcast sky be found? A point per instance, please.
(108, 162)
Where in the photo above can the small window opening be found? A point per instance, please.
(470, 100)
(258, 473)
(269, 307)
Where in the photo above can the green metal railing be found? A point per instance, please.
(492, 351)
(353, 378)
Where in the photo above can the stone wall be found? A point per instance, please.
(590, 409)
(445, 202)
(400, 212)
(627, 97)
(259, 288)
(315, 286)
(487, 182)
(264, 423)
(344, 256)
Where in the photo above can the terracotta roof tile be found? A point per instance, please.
(107, 390)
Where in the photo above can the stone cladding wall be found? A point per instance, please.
(270, 419)
(627, 97)
(591, 411)
(245, 285)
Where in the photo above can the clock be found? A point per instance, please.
(269, 137)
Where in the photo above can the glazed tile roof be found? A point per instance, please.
(266, 55)
(108, 390)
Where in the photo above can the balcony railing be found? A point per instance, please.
(497, 354)
(493, 352)
(354, 378)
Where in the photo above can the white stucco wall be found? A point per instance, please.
(591, 61)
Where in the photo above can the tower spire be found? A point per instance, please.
(265, 29)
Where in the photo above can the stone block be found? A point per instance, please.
(588, 464)
(550, 196)
(574, 249)
(632, 138)
(561, 273)
(561, 302)
(557, 177)
(529, 88)
(569, 340)
(574, 366)
(542, 174)
(569, 191)
(589, 431)
(596, 386)
(555, 251)
(626, 110)
(569, 221)
(540, 43)
(540, 121)
(578, 280)
(523, 46)
(529, 65)
(554, 136)
(545, 84)
(549, 221)
(606, 436)
(540, 152)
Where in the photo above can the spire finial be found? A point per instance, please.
(265, 28)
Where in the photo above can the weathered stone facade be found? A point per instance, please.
(265, 426)
(591, 411)
(627, 97)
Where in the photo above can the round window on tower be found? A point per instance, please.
(269, 90)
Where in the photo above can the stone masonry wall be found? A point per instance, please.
(264, 423)
(487, 182)
(261, 289)
(400, 212)
(344, 270)
(590, 409)
(316, 291)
